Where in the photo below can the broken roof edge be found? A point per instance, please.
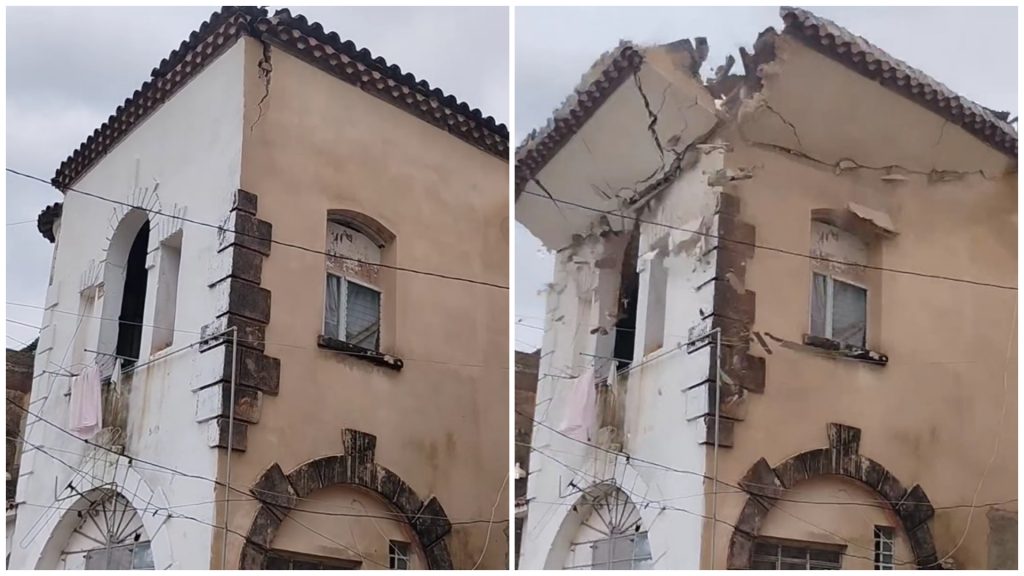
(541, 145)
(309, 42)
(603, 77)
(866, 59)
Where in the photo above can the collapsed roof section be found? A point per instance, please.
(655, 105)
(308, 41)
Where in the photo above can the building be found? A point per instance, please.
(525, 400)
(304, 361)
(19, 386)
(782, 327)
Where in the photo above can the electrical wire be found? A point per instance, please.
(278, 242)
(487, 538)
(159, 467)
(776, 249)
(248, 340)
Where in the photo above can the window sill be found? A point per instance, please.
(365, 354)
(848, 351)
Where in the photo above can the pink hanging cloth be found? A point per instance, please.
(86, 410)
(581, 412)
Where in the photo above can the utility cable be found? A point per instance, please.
(776, 249)
(278, 242)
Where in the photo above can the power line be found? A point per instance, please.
(33, 221)
(162, 468)
(240, 339)
(278, 242)
(776, 249)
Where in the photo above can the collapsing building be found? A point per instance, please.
(781, 331)
(239, 366)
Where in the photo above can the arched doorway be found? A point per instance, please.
(108, 535)
(413, 532)
(610, 534)
(910, 508)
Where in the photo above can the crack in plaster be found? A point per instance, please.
(265, 70)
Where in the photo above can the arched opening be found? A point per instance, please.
(133, 299)
(106, 533)
(345, 527)
(902, 535)
(125, 278)
(604, 531)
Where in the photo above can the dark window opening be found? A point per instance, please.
(629, 293)
(795, 555)
(133, 299)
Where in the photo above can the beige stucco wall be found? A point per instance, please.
(934, 414)
(442, 422)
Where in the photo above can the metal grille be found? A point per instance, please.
(284, 560)
(398, 555)
(775, 556)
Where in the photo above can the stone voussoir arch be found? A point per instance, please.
(842, 458)
(278, 492)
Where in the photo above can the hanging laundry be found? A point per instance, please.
(581, 413)
(86, 410)
(115, 376)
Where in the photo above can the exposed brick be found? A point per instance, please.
(273, 486)
(725, 431)
(760, 479)
(305, 479)
(248, 300)
(753, 514)
(915, 509)
(359, 445)
(219, 435)
(251, 334)
(736, 242)
(731, 304)
(252, 557)
(245, 202)
(432, 523)
(264, 527)
(438, 557)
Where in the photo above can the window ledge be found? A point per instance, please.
(365, 354)
(841, 350)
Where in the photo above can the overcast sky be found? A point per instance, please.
(63, 83)
(971, 50)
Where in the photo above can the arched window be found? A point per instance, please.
(133, 298)
(125, 278)
(354, 288)
(610, 535)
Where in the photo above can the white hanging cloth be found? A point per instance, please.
(86, 410)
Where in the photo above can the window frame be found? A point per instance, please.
(807, 546)
(343, 309)
(399, 551)
(636, 562)
(885, 535)
(830, 280)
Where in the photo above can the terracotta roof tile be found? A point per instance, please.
(306, 40)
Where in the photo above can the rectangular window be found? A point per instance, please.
(352, 312)
(885, 543)
(135, 556)
(621, 552)
(167, 292)
(839, 310)
(398, 555)
(771, 555)
(657, 287)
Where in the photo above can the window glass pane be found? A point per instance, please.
(332, 312)
(766, 549)
(142, 557)
(849, 313)
(641, 547)
(819, 299)
(362, 316)
(602, 554)
(763, 565)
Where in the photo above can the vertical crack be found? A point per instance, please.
(787, 123)
(652, 125)
(265, 70)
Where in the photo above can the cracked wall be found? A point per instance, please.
(815, 106)
(932, 414)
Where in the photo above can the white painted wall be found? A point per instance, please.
(662, 421)
(186, 160)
